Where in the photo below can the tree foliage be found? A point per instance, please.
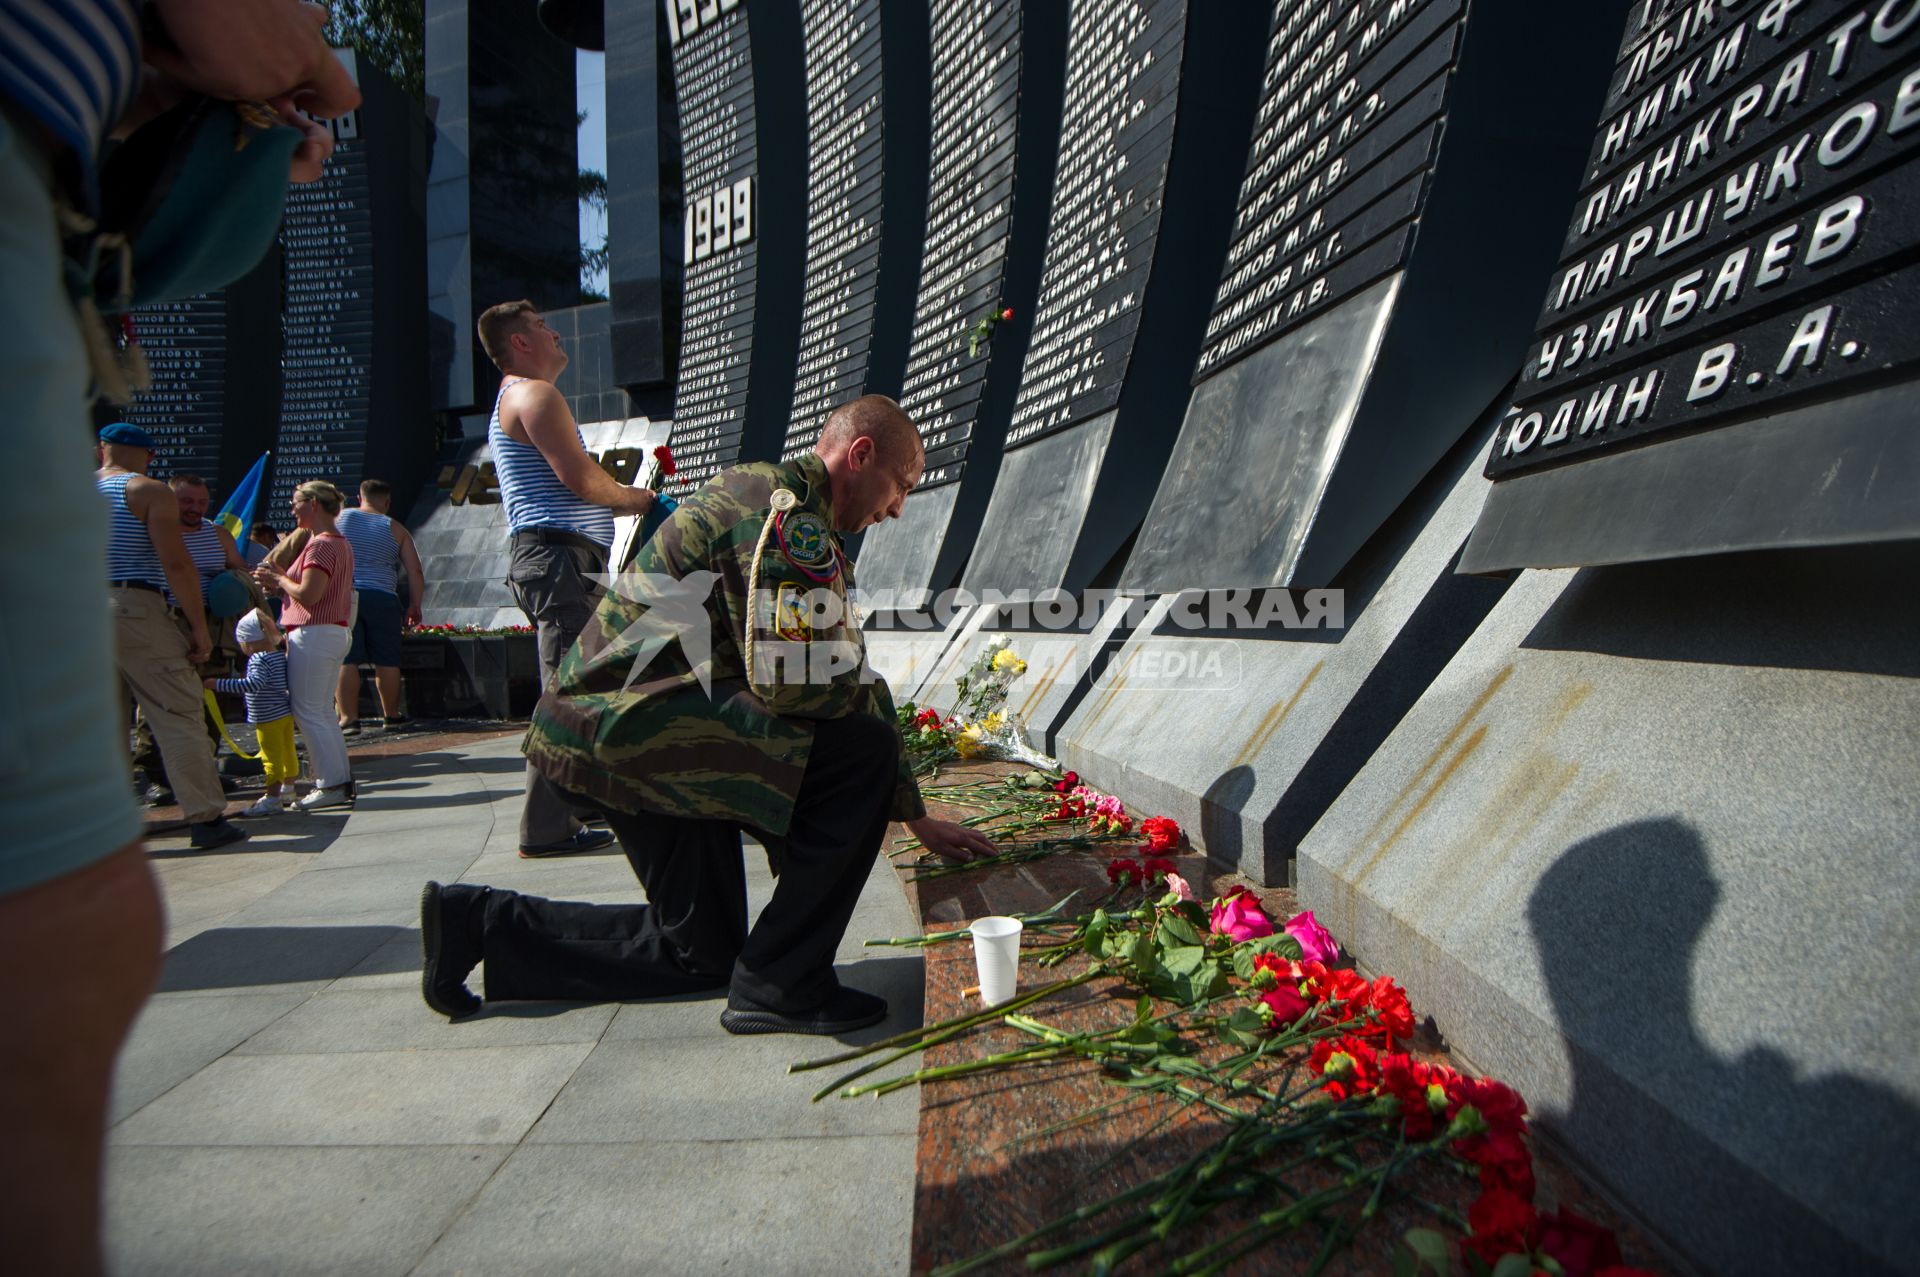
(391, 34)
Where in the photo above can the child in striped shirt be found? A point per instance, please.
(269, 707)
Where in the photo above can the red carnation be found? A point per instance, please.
(1158, 866)
(1123, 872)
(1007, 313)
(1503, 1159)
(665, 457)
(1349, 1066)
(1405, 1079)
(1163, 833)
(1395, 1020)
(1503, 1223)
(1286, 1004)
(1067, 783)
(1582, 1246)
(1498, 1103)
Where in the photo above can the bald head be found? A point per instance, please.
(875, 417)
(874, 458)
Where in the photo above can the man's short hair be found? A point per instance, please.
(179, 481)
(877, 417)
(498, 324)
(260, 527)
(375, 488)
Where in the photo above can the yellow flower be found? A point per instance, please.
(970, 743)
(1005, 660)
(993, 723)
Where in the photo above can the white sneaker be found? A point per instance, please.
(268, 805)
(333, 796)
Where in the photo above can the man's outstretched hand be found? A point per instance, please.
(950, 841)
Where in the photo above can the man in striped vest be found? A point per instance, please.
(213, 551)
(147, 559)
(560, 506)
(211, 546)
(381, 548)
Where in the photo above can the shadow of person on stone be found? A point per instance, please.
(1749, 1159)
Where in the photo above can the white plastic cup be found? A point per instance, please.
(996, 955)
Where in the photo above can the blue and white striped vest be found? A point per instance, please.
(130, 552)
(532, 492)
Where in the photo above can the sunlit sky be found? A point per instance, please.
(590, 94)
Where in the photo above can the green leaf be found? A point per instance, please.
(1178, 929)
(1143, 957)
(1430, 1250)
(1514, 1266)
(1247, 1020)
(1243, 962)
(1183, 959)
(1278, 943)
(1096, 937)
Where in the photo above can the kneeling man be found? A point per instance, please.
(720, 687)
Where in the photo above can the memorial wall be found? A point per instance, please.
(1370, 310)
(996, 80)
(317, 355)
(1141, 165)
(215, 364)
(1607, 843)
(728, 297)
(353, 401)
(1398, 210)
(1727, 347)
(847, 160)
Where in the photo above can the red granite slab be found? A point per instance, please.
(1002, 1153)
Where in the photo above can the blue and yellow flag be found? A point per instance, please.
(236, 516)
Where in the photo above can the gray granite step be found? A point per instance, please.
(288, 1104)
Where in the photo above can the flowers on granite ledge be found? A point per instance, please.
(1325, 1103)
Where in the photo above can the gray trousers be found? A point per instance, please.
(552, 585)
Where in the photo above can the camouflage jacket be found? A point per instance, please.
(628, 721)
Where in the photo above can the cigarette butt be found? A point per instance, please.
(971, 991)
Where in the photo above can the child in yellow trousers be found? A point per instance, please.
(269, 707)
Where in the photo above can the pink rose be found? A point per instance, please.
(1316, 942)
(1178, 886)
(1239, 917)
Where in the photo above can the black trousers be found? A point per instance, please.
(692, 933)
(552, 583)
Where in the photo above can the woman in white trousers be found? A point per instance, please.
(318, 589)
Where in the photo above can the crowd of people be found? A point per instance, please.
(305, 609)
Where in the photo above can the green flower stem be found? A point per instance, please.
(1032, 921)
(1057, 1045)
(933, 1035)
(946, 1072)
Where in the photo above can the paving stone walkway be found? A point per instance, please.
(287, 1104)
